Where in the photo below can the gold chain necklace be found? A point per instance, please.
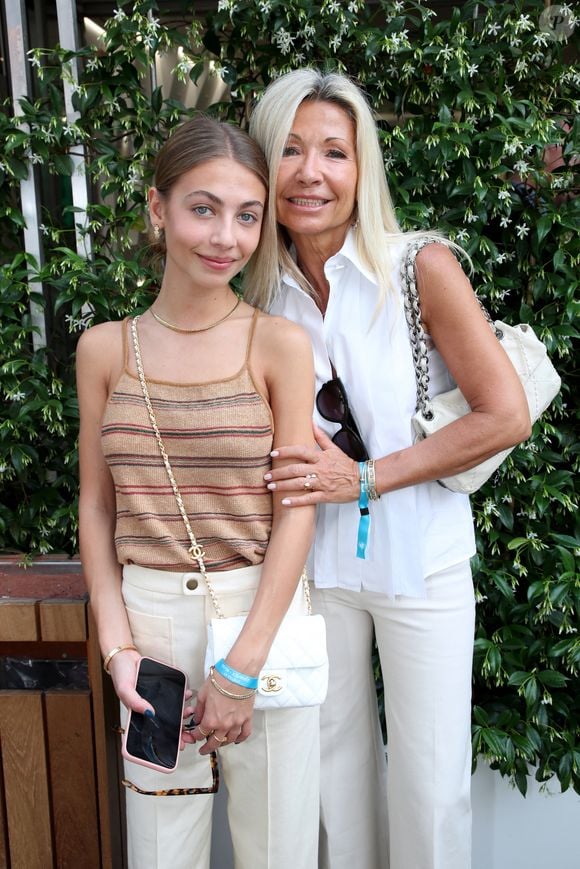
(190, 331)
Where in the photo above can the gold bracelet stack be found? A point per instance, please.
(225, 692)
(369, 480)
(114, 652)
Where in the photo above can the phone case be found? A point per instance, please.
(168, 722)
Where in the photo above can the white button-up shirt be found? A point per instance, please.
(414, 531)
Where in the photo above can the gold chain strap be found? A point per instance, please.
(195, 550)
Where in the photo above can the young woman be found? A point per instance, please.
(226, 385)
(338, 274)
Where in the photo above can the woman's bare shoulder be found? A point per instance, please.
(100, 351)
(278, 332)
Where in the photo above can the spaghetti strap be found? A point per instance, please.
(255, 316)
(126, 323)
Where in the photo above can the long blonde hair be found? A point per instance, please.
(376, 225)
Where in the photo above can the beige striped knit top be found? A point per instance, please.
(218, 437)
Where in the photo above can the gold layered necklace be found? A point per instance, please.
(191, 331)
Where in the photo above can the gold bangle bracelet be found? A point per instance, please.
(225, 692)
(114, 652)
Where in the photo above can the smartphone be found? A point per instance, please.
(154, 742)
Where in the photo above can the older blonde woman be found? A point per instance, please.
(337, 274)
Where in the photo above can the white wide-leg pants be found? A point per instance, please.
(426, 650)
(272, 778)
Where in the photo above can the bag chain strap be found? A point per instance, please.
(417, 336)
(196, 550)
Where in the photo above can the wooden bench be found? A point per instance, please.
(60, 801)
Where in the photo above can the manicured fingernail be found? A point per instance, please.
(267, 476)
(274, 453)
(271, 486)
(286, 501)
(149, 713)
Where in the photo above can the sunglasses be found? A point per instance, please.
(332, 404)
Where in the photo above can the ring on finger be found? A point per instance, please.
(220, 739)
(308, 480)
(205, 734)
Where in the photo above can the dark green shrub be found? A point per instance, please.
(465, 103)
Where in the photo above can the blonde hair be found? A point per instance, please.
(376, 223)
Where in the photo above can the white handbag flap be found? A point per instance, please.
(300, 641)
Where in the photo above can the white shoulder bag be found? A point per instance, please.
(527, 354)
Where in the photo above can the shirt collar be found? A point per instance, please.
(347, 252)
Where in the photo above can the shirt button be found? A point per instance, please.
(191, 584)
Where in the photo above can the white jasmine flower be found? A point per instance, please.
(521, 167)
(512, 146)
(522, 230)
(446, 53)
(18, 396)
(494, 28)
(462, 236)
(523, 23)
(335, 42)
(504, 194)
(504, 223)
(521, 66)
(472, 68)
(119, 15)
(284, 40)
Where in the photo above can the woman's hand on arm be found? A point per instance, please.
(331, 476)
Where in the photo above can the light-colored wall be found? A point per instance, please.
(541, 831)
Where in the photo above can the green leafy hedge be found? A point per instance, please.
(466, 105)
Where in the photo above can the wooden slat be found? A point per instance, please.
(111, 794)
(18, 620)
(72, 775)
(25, 780)
(4, 855)
(63, 621)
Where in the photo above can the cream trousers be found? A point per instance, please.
(418, 816)
(272, 779)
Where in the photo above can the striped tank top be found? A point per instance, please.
(218, 437)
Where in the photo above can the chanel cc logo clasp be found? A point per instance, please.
(197, 551)
(271, 684)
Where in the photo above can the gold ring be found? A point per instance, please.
(218, 739)
(203, 733)
(308, 480)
